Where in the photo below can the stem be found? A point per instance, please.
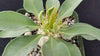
(81, 45)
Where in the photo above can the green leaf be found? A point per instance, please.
(53, 18)
(52, 3)
(55, 48)
(67, 8)
(81, 45)
(73, 49)
(33, 6)
(41, 16)
(10, 20)
(88, 37)
(13, 33)
(81, 29)
(49, 13)
(55, 27)
(21, 46)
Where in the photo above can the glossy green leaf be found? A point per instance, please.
(33, 6)
(80, 29)
(21, 46)
(73, 49)
(67, 8)
(10, 20)
(52, 3)
(13, 33)
(55, 48)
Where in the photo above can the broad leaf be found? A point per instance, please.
(67, 8)
(80, 29)
(21, 46)
(10, 20)
(52, 3)
(33, 6)
(13, 33)
(73, 49)
(53, 48)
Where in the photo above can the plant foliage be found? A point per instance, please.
(13, 24)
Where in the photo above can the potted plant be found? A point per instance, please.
(54, 31)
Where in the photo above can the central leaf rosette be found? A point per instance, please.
(51, 17)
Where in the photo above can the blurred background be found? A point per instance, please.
(89, 12)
